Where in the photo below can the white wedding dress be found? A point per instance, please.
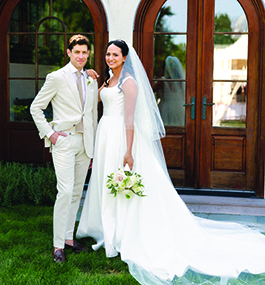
(157, 236)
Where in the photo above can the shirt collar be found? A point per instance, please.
(74, 69)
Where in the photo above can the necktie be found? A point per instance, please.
(79, 126)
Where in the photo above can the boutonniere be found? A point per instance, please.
(90, 80)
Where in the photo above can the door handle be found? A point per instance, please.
(192, 104)
(204, 109)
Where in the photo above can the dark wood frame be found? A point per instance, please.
(6, 9)
(255, 12)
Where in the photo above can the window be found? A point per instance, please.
(38, 35)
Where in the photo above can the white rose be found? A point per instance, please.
(132, 181)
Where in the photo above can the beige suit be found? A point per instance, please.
(71, 154)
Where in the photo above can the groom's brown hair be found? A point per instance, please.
(78, 40)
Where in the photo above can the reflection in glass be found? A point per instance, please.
(51, 26)
(230, 61)
(75, 15)
(172, 17)
(168, 45)
(170, 48)
(171, 97)
(170, 93)
(50, 48)
(22, 93)
(230, 64)
(50, 53)
(27, 14)
(229, 17)
(22, 49)
(230, 104)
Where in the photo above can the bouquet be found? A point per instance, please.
(124, 182)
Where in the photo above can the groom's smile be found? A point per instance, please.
(78, 56)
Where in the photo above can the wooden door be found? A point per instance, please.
(35, 37)
(216, 145)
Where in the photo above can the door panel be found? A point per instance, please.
(216, 145)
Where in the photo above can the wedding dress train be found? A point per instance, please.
(157, 236)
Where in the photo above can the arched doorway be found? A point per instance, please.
(35, 36)
(215, 141)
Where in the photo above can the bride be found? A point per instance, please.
(156, 235)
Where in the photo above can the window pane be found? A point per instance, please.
(230, 104)
(22, 93)
(172, 17)
(51, 26)
(27, 14)
(229, 17)
(174, 46)
(50, 53)
(22, 49)
(170, 98)
(230, 61)
(74, 14)
(48, 113)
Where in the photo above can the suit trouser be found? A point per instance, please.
(71, 165)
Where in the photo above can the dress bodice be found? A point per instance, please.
(113, 101)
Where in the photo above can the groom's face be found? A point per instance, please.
(78, 56)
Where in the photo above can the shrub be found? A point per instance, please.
(21, 183)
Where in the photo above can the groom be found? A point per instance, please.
(70, 136)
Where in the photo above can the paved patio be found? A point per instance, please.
(235, 209)
(238, 209)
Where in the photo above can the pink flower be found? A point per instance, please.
(119, 176)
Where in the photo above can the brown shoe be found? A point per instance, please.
(77, 247)
(58, 256)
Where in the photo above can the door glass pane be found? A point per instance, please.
(27, 14)
(50, 53)
(230, 104)
(75, 15)
(31, 69)
(170, 96)
(230, 60)
(230, 65)
(22, 93)
(170, 45)
(229, 17)
(172, 17)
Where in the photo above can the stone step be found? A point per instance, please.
(239, 209)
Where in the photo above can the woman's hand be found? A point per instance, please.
(92, 73)
(128, 159)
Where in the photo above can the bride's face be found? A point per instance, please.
(114, 57)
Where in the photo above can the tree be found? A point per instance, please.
(222, 23)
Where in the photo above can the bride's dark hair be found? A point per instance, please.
(124, 50)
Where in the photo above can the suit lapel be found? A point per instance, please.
(89, 93)
(72, 84)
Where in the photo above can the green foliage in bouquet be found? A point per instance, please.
(125, 182)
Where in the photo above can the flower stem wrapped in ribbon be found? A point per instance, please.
(125, 182)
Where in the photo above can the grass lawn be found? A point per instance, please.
(26, 253)
(26, 256)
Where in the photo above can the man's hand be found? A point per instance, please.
(92, 73)
(54, 137)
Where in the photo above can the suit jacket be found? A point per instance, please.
(61, 90)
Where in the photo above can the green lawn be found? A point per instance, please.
(26, 256)
(26, 253)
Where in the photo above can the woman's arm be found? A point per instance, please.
(130, 91)
(99, 90)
